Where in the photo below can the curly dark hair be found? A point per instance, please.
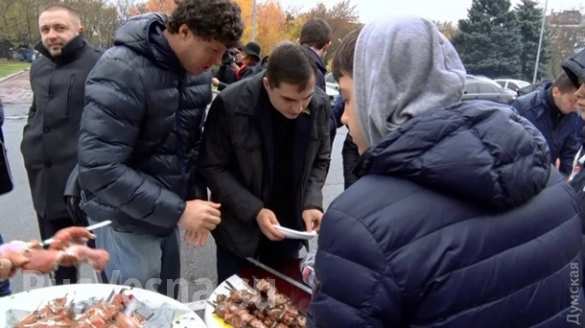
(218, 20)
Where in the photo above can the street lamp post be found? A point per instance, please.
(253, 20)
(540, 42)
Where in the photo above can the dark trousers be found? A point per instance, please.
(48, 228)
(4, 285)
(270, 253)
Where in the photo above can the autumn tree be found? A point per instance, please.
(164, 6)
(271, 27)
(342, 17)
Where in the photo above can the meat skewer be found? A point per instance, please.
(110, 313)
(260, 306)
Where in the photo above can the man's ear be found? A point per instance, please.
(81, 29)
(184, 32)
(266, 82)
(556, 92)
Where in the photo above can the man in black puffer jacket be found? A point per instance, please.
(459, 219)
(140, 131)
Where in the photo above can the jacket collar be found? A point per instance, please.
(545, 97)
(70, 52)
(318, 60)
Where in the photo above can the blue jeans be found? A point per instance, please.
(141, 260)
(4, 285)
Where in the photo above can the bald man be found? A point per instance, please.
(49, 144)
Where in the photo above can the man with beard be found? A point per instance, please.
(49, 144)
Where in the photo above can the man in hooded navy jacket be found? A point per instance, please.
(459, 219)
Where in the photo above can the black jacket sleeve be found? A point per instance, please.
(314, 188)
(110, 127)
(569, 151)
(216, 157)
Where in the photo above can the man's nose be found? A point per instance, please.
(52, 34)
(580, 93)
(344, 118)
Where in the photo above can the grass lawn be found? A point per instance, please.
(9, 67)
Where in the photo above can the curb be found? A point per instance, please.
(8, 77)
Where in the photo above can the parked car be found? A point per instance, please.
(483, 88)
(512, 84)
(332, 88)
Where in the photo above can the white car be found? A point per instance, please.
(483, 88)
(512, 84)
(332, 88)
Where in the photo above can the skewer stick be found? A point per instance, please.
(93, 227)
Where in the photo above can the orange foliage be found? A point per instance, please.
(165, 6)
(271, 25)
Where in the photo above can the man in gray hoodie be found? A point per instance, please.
(459, 219)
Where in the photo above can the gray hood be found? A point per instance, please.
(403, 67)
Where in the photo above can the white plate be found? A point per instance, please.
(31, 300)
(211, 320)
(295, 234)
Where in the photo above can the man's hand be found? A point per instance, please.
(312, 219)
(71, 235)
(42, 260)
(197, 238)
(215, 82)
(266, 220)
(199, 215)
(13, 261)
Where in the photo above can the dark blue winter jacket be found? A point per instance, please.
(140, 131)
(458, 221)
(562, 132)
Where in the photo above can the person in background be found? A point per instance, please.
(553, 110)
(251, 61)
(459, 219)
(230, 65)
(140, 131)
(49, 142)
(265, 157)
(316, 37)
(6, 185)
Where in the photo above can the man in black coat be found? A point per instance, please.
(145, 102)
(4, 284)
(316, 38)
(265, 157)
(49, 144)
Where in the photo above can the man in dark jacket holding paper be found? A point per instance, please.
(265, 157)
